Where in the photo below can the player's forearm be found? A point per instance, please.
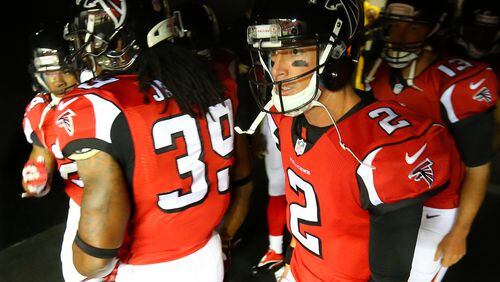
(105, 211)
(241, 189)
(237, 210)
(89, 266)
(472, 196)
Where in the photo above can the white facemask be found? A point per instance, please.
(399, 59)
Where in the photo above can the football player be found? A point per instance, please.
(53, 77)
(457, 92)
(357, 170)
(479, 29)
(153, 141)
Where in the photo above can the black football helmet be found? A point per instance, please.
(198, 28)
(110, 33)
(49, 53)
(334, 27)
(479, 28)
(411, 13)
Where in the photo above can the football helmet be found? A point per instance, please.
(403, 17)
(110, 33)
(333, 27)
(479, 28)
(198, 28)
(49, 52)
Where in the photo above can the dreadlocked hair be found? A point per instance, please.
(193, 84)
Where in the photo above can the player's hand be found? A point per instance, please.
(452, 248)
(281, 273)
(35, 179)
(226, 253)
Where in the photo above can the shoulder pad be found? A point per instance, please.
(85, 122)
(379, 124)
(407, 170)
(453, 69)
(471, 90)
(34, 116)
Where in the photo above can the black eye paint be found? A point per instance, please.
(300, 63)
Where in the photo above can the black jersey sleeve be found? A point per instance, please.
(474, 137)
(393, 237)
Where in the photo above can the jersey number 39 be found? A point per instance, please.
(191, 164)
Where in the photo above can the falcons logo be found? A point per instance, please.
(424, 172)
(65, 121)
(483, 95)
(115, 9)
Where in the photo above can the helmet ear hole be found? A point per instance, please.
(337, 73)
(338, 51)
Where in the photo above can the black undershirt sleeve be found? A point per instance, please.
(36, 140)
(247, 107)
(122, 146)
(474, 136)
(393, 237)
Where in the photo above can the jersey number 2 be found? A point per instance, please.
(307, 214)
(388, 123)
(191, 164)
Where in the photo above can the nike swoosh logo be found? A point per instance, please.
(474, 86)
(431, 216)
(62, 105)
(412, 159)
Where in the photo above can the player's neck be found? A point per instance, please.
(337, 102)
(425, 59)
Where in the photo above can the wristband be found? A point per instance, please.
(241, 182)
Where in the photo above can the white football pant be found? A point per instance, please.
(203, 265)
(435, 224)
(69, 271)
(274, 165)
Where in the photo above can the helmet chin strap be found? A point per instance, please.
(342, 145)
(256, 122)
(411, 76)
(296, 101)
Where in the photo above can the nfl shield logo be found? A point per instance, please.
(300, 147)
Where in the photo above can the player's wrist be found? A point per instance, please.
(461, 230)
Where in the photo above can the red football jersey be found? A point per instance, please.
(330, 193)
(39, 129)
(177, 166)
(461, 87)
